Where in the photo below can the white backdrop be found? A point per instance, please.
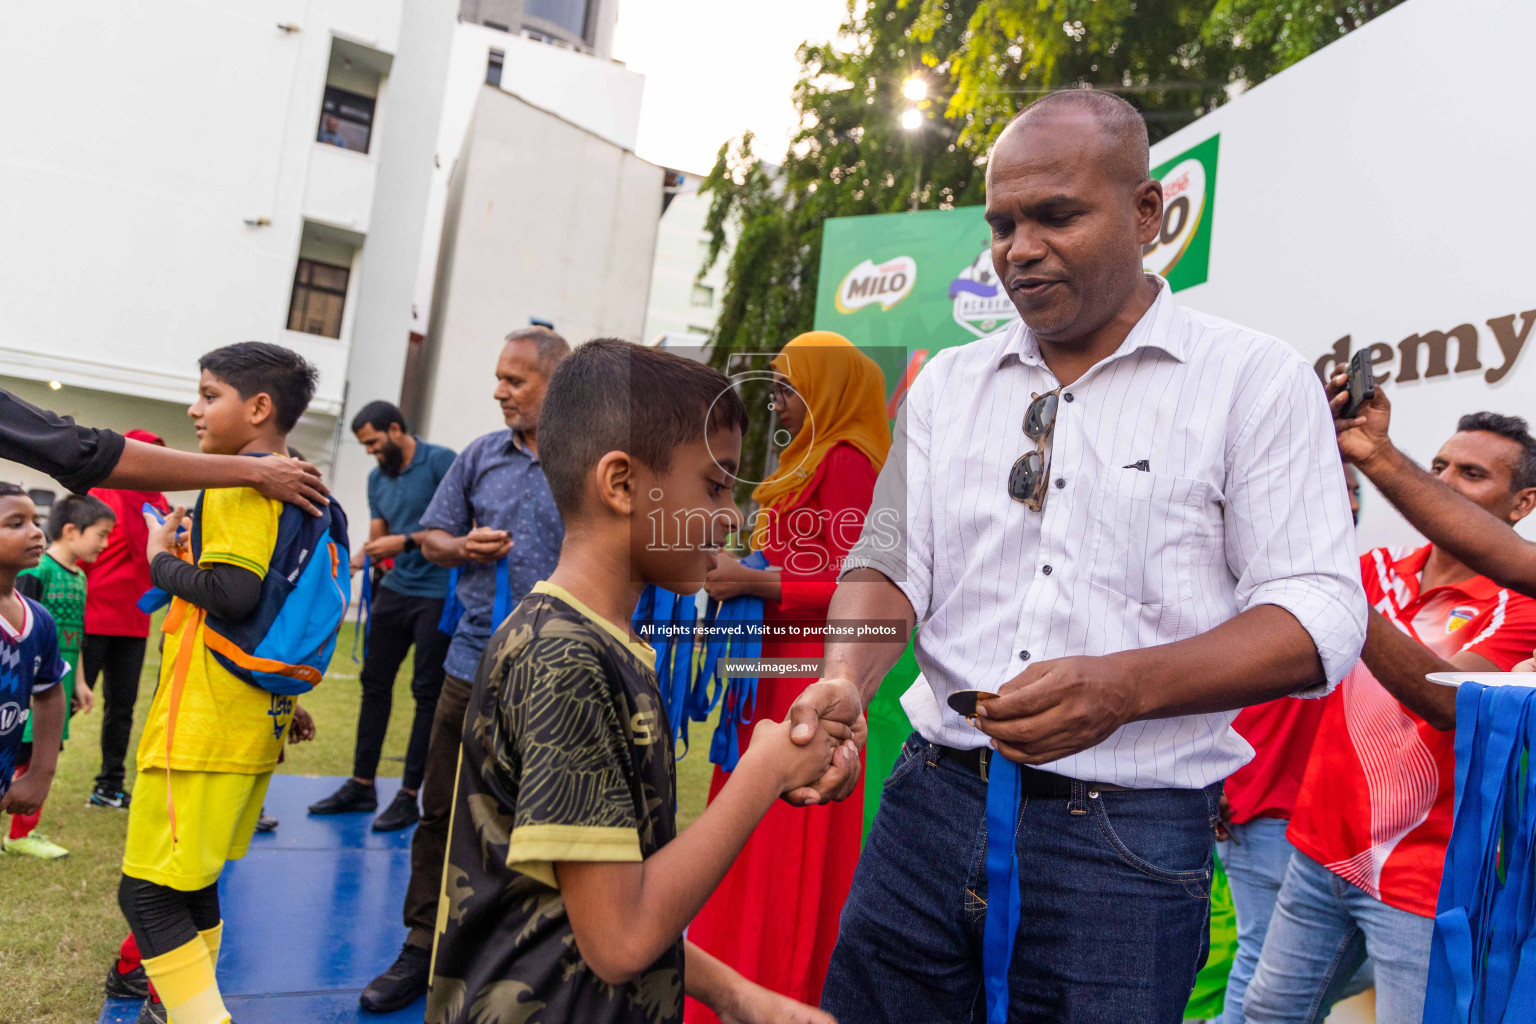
(1380, 190)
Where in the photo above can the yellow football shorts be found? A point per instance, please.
(216, 814)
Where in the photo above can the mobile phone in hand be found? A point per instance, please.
(1362, 383)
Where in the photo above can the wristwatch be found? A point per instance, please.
(410, 544)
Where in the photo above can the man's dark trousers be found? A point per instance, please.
(397, 623)
(429, 846)
(1115, 893)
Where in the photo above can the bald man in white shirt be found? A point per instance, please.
(1166, 541)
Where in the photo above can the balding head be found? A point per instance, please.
(1071, 204)
(1123, 131)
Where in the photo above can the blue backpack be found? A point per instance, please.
(286, 644)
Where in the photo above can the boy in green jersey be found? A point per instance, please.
(78, 527)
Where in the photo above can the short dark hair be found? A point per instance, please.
(611, 395)
(379, 415)
(1518, 431)
(552, 348)
(10, 490)
(82, 511)
(257, 367)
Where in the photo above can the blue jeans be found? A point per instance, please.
(1256, 860)
(1321, 932)
(1115, 890)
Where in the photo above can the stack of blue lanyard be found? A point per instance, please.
(740, 694)
(453, 608)
(1482, 967)
(671, 619)
(689, 695)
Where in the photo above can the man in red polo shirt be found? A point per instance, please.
(115, 630)
(1373, 815)
(1256, 805)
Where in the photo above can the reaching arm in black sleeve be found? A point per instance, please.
(77, 457)
(227, 591)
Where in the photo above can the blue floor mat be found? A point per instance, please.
(311, 914)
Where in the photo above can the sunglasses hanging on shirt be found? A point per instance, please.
(1031, 472)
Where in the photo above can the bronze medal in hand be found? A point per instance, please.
(963, 702)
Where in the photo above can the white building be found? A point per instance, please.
(223, 173)
(261, 171)
(683, 306)
(561, 232)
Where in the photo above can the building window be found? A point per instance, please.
(346, 119)
(319, 296)
(493, 67)
(703, 295)
(696, 329)
(498, 26)
(703, 249)
(570, 15)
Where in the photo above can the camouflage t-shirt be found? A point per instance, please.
(567, 757)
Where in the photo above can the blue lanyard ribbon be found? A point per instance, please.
(364, 609)
(1004, 790)
(153, 599)
(453, 608)
(502, 606)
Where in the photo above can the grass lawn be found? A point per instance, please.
(60, 921)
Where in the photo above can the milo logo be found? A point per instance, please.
(886, 284)
(1182, 249)
(1183, 206)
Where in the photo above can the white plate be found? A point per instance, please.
(1486, 678)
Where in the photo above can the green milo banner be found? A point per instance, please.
(921, 282)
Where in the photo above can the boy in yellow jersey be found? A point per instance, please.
(211, 740)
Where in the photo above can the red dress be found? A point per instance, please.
(774, 916)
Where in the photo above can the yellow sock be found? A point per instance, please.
(212, 938)
(184, 979)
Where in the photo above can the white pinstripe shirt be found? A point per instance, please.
(1242, 503)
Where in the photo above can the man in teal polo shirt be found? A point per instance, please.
(405, 613)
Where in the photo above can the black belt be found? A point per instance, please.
(1035, 782)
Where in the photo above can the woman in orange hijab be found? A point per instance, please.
(774, 917)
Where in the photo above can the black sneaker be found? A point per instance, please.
(401, 985)
(352, 796)
(265, 823)
(152, 1012)
(115, 799)
(401, 813)
(133, 985)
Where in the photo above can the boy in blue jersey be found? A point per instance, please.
(30, 666)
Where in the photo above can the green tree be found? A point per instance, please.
(982, 61)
